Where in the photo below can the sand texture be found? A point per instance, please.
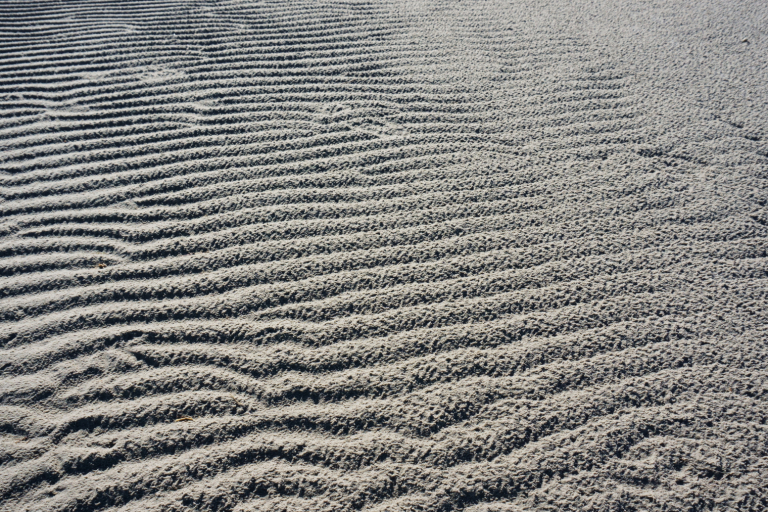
(396, 255)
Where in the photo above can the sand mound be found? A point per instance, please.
(350, 255)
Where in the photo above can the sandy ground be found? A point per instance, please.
(340, 255)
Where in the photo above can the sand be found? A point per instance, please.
(498, 255)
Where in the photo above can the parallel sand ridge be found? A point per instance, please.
(309, 255)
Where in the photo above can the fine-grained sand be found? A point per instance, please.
(308, 255)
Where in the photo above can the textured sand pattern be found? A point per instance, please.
(345, 255)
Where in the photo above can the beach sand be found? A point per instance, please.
(498, 255)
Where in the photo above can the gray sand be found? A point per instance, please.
(497, 255)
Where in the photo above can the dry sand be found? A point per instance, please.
(309, 255)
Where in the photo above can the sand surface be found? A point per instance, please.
(392, 255)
